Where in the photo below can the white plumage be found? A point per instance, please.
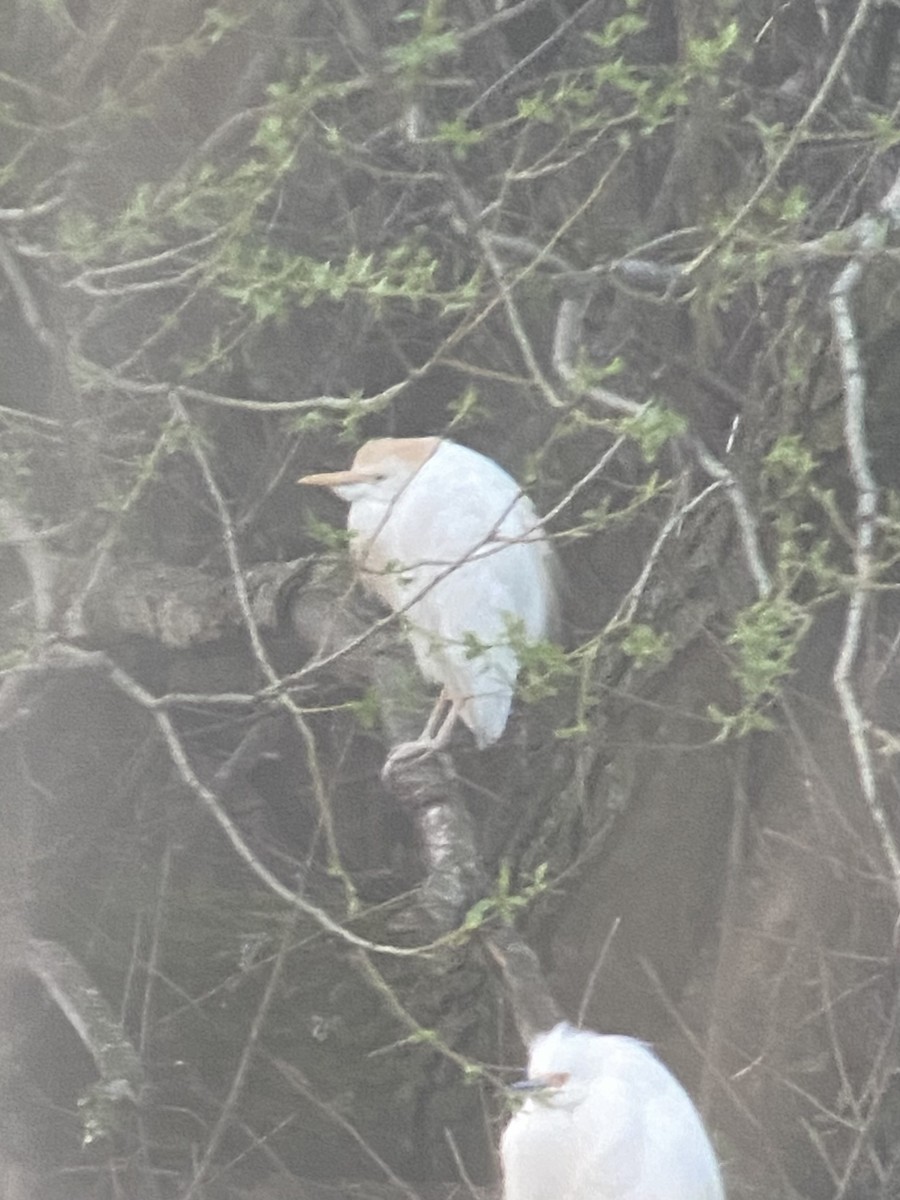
(607, 1122)
(447, 538)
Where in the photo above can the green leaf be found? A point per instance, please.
(652, 427)
(646, 645)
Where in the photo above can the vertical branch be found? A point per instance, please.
(872, 235)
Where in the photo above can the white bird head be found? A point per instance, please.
(382, 468)
(560, 1070)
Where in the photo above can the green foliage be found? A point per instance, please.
(459, 136)
(645, 645)
(614, 91)
(652, 427)
(788, 467)
(602, 516)
(766, 636)
(268, 280)
(332, 538)
(544, 667)
(504, 903)
(467, 406)
(432, 42)
(85, 240)
(218, 22)
(615, 31)
(884, 129)
(365, 708)
(783, 207)
(422, 52)
(705, 55)
(473, 645)
(804, 517)
(588, 375)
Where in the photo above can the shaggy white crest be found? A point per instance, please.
(445, 536)
(606, 1121)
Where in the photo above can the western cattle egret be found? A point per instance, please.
(446, 538)
(607, 1121)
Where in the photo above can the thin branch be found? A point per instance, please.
(515, 321)
(165, 391)
(460, 1165)
(189, 778)
(510, 12)
(680, 510)
(746, 521)
(702, 1053)
(14, 215)
(595, 971)
(239, 1078)
(418, 1034)
(27, 303)
(295, 1077)
(155, 955)
(91, 275)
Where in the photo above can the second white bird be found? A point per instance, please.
(607, 1122)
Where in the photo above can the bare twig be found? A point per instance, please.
(189, 778)
(746, 521)
(680, 510)
(594, 975)
(695, 1043)
(227, 1110)
(460, 1165)
(27, 303)
(418, 1034)
(295, 1077)
(14, 215)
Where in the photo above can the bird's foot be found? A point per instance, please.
(405, 751)
(433, 737)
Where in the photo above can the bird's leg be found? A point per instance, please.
(440, 739)
(434, 722)
(433, 737)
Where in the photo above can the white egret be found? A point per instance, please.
(607, 1121)
(446, 538)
